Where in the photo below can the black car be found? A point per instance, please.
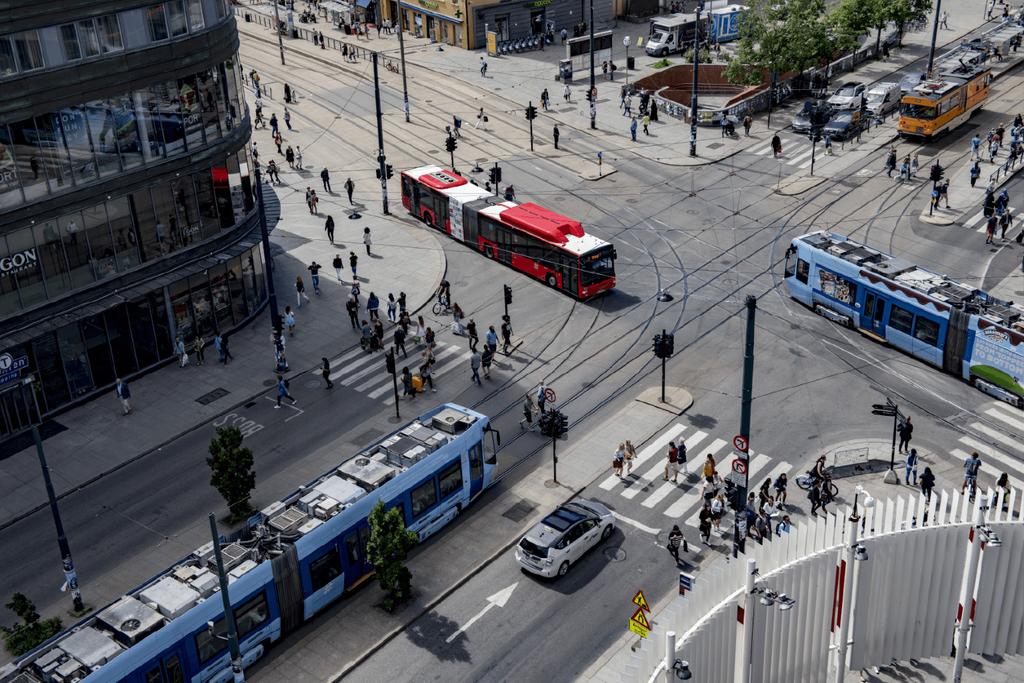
(845, 125)
(802, 121)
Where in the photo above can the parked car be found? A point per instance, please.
(802, 121)
(848, 96)
(883, 98)
(845, 124)
(911, 81)
(563, 537)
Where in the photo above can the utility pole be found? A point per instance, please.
(68, 565)
(268, 264)
(531, 114)
(593, 86)
(693, 93)
(745, 404)
(450, 145)
(935, 35)
(277, 30)
(229, 614)
(890, 409)
(381, 159)
(507, 291)
(401, 50)
(625, 43)
(390, 364)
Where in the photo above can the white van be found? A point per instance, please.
(671, 34)
(883, 98)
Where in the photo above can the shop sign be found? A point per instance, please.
(18, 261)
(539, 3)
(11, 367)
(430, 5)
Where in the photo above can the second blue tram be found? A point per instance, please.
(960, 329)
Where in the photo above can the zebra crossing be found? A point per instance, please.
(364, 372)
(682, 500)
(794, 152)
(978, 223)
(994, 460)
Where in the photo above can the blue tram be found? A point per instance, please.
(962, 330)
(290, 561)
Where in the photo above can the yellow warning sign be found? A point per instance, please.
(641, 601)
(639, 624)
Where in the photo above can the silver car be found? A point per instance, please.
(563, 537)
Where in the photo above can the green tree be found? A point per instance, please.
(387, 548)
(847, 22)
(231, 470)
(21, 638)
(779, 37)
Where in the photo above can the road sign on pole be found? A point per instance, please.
(685, 583)
(739, 466)
(740, 443)
(640, 600)
(639, 624)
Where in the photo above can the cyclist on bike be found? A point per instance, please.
(972, 464)
(444, 294)
(820, 471)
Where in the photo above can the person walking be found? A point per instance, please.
(309, 200)
(890, 162)
(325, 178)
(906, 430)
(289, 320)
(975, 172)
(632, 128)
(545, 100)
(367, 241)
(944, 20)
(407, 387)
(282, 391)
(300, 292)
(646, 122)
(486, 358)
(915, 166)
(392, 308)
(273, 125)
(426, 369)
(506, 334)
(325, 372)
(314, 275)
(474, 366)
(329, 229)
(287, 95)
(976, 147)
(990, 229)
(179, 348)
(124, 394)
(911, 466)
(471, 332)
(314, 202)
(708, 469)
(1004, 224)
(747, 123)
(618, 459)
(972, 465)
(927, 484)
(350, 187)
(338, 265)
(278, 141)
(373, 306)
(567, 93)
(399, 341)
(353, 262)
(672, 463)
(491, 339)
(630, 457)
(704, 524)
(675, 539)
(555, 134)
(529, 410)
(776, 146)
(479, 119)
(483, 68)
(814, 496)
(780, 485)
(287, 118)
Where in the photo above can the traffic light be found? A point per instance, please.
(937, 172)
(560, 423)
(589, 97)
(377, 172)
(389, 361)
(450, 144)
(664, 345)
(546, 422)
(508, 295)
(531, 112)
(497, 174)
(390, 169)
(492, 174)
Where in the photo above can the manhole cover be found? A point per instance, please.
(615, 554)
(632, 201)
(433, 151)
(520, 510)
(210, 397)
(269, 382)
(713, 145)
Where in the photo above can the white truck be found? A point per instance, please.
(671, 34)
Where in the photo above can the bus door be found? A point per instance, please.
(872, 314)
(476, 469)
(356, 563)
(417, 193)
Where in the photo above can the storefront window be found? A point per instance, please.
(120, 340)
(222, 193)
(94, 334)
(102, 134)
(54, 155)
(164, 98)
(8, 285)
(166, 228)
(181, 309)
(249, 280)
(162, 325)
(221, 296)
(129, 146)
(236, 289)
(24, 268)
(147, 120)
(208, 104)
(76, 363)
(202, 306)
(188, 98)
(188, 214)
(76, 137)
(140, 317)
(122, 228)
(101, 245)
(149, 237)
(207, 202)
(258, 274)
(24, 137)
(235, 184)
(10, 192)
(50, 249)
(76, 249)
(51, 375)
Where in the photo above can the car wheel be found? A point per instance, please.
(563, 568)
(550, 279)
(488, 252)
(607, 533)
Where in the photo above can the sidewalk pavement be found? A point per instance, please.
(406, 258)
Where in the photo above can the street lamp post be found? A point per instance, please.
(277, 30)
(593, 87)
(625, 44)
(935, 35)
(693, 93)
(401, 51)
(381, 159)
(268, 266)
(238, 673)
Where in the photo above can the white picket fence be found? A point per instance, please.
(904, 605)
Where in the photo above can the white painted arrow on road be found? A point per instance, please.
(497, 600)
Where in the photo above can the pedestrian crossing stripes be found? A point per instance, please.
(1007, 456)
(978, 223)
(795, 152)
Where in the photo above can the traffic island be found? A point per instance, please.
(677, 400)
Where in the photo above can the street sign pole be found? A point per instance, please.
(745, 406)
(663, 380)
(394, 379)
(890, 409)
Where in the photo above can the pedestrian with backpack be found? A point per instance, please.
(282, 391)
(675, 539)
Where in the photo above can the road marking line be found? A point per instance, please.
(694, 498)
(634, 523)
(1008, 441)
(390, 400)
(648, 451)
(991, 453)
(660, 494)
(800, 157)
(1003, 417)
(650, 474)
(386, 375)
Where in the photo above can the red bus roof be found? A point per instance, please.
(543, 223)
(442, 179)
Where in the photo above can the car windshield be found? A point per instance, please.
(917, 111)
(845, 117)
(562, 518)
(876, 96)
(847, 91)
(597, 265)
(659, 37)
(533, 548)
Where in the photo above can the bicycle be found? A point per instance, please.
(808, 480)
(441, 308)
(391, 66)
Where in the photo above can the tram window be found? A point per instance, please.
(173, 666)
(476, 462)
(803, 269)
(451, 479)
(900, 319)
(209, 645)
(153, 676)
(927, 331)
(325, 568)
(249, 616)
(423, 498)
(352, 549)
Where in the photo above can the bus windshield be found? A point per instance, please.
(597, 265)
(917, 111)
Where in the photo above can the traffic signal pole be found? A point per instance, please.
(593, 86)
(390, 363)
(935, 35)
(745, 407)
(693, 94)
(381, 159)
(531, 114)
(229, 614)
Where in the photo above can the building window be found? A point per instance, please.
(91, 37)
(195, 15)
(8, 64)
(69, 37)
(156, 23)
(176, 19)
(28, 51)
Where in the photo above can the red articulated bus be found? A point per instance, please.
(527, 237)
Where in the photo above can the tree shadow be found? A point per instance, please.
(430, 633)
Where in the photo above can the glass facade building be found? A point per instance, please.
(127, 215)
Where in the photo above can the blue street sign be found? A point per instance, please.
(11, 367)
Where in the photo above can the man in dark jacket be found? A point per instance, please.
(906, 430)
